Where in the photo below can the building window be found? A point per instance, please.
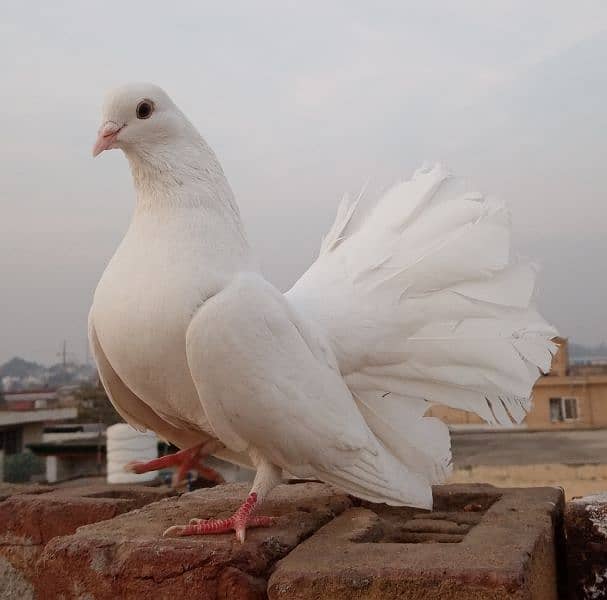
(563, 409)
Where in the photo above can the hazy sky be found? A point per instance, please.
(302, 101)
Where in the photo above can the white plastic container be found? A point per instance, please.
(124, 445)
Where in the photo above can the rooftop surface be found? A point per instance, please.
(588, 446)
(18, 417)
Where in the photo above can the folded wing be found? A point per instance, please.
(268, 382)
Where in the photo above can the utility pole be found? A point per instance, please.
(63, 353)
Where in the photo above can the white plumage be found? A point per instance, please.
(414, 301)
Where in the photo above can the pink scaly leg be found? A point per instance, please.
(185, 460)
(267, 477)
(238, 522)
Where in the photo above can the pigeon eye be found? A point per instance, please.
(145, 109)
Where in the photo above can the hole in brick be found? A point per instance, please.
(9, 490)
(295, 481)
(404, 525)
(426, 538)
(114, 494)
(480, 502)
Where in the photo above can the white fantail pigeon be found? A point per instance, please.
(412, 302)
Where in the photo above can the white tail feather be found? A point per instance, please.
(421, 301)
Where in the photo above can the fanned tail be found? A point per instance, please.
(423, 304)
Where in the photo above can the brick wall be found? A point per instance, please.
(32, 515)
(106, 543)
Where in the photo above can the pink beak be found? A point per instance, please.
(106, 137)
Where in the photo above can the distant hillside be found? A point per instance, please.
(18, 367)
(19, 374)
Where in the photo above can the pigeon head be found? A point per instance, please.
(139, 117)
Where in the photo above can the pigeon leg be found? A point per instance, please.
(185, 460)
(267, 477)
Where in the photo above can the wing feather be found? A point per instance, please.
(423, 301)
(268, 383)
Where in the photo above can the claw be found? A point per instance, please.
(174, 531)
(133, 466)
(241, 534)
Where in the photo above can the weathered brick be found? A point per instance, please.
(586, 533)
(127, 557)
(481, 542)
(30, 516)
(17, 489)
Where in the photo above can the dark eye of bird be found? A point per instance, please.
(145, 109)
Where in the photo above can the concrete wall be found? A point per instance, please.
(560, 361)
(590, 393)
(32, 433)
(453, 416)
(61, 468)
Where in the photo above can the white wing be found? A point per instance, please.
(268, 383)
(421, 303)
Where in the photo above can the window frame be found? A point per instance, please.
(562, 408)
(573, 399)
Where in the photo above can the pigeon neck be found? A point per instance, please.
(185, 181)
(185, 174)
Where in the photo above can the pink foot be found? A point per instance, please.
(238, 522)
(185, 460)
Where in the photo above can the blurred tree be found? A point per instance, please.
(95, 407)
(19, 468)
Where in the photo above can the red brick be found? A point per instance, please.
(586, 532)
(484, 543)
(30, 516)
(17, 489)
(480, 542)
(127, 557)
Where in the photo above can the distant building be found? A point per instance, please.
(23, 422)
(571, 396)
(72, 450)
(30, 399)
